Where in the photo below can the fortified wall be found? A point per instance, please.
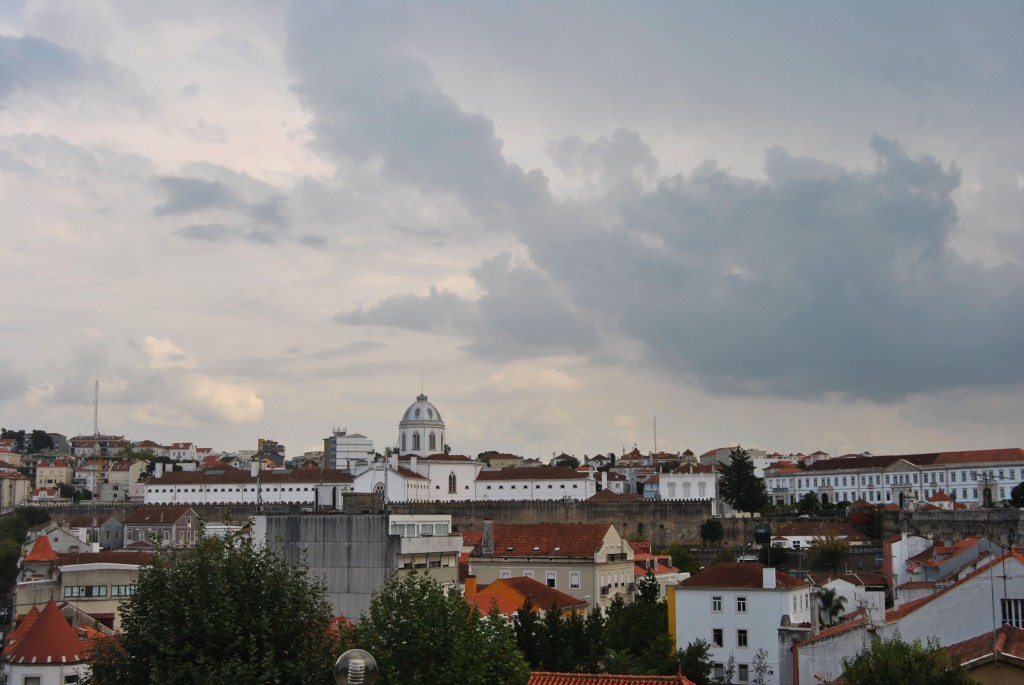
(1000, 525)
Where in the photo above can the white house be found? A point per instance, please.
(739, 608)
(981, 602)
(689, 482)
(307, 485)
(535, 483)
(395, 482)
(182, 451)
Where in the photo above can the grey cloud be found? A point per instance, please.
(32, 64)
(186, 195)
(437, 311)
(270, 211)
(609, 158)
(212, 233)
(13, 384)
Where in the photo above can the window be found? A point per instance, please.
(415, 441)
(506, 574)
(433, 441)
(528, 574)
(716, 637)
(31, 680)
(952, 477)
(574, 581)
(743, 673)
(85, 591)
(719, 671)
(716, 604)
(452, 485)
(1013, 612)
(741, 638)
(551, 579)
(741, 605)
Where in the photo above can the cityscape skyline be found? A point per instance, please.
(789, 227)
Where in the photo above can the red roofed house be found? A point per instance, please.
(659, 564)
(738, 608)
(49, 652)
(590, 561)
(509, 594)
(101, 529)
(51, 473)
(959, 613)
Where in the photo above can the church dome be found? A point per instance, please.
(422, 411)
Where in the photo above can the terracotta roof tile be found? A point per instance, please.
(540, 594)
(42, 550)
(1009, 641)
(50, 639)
(548, 540)
(532, 473)
(225, 475)
(608, 495)
(150, 515)
(739, 574)
(119, 557)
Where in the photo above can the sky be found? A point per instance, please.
(577, 227)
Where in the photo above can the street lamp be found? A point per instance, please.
(355, 667)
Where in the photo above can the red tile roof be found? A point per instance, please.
(739, 574)
(1009, 641)
(88, 521)
(928, 459)
(548, 540)
(544, 678)
(608, 495)
(485, 600)
(225, 475)
(940, 496)
(151, 515)
(540, 594)
(694, 468)
(51, 639)
(42, 550)
(24, 624)
(120, 557)
(533, 473)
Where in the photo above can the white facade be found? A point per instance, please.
(535, 483)
(347, 451)
(451, 477)
(737, 620)
(182, 451)
(969, 477)
(689, 482)
(396, 483)
(306, 486)
(421, 430)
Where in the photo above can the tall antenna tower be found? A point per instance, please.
(96, 411)
(655, 434)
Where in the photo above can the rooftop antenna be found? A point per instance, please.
(655, 434)
(96, 411)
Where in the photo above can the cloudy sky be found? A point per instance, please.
(795, 226)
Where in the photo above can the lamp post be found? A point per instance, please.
(355, 667)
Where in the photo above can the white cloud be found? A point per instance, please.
(220, 400)
(164, 354)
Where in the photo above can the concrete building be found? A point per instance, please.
(345, 451)
(53, 473)
(14, 489)
(161, 528)
(740, 608)
(357, 554)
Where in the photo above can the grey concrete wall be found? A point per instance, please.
(1000, 525)
(352, 554)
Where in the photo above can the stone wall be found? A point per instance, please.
(1000, 525)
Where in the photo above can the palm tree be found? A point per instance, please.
(831, 606)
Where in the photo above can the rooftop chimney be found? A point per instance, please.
(470, 586)
(768, 578)
(254, 466)
(487, 544)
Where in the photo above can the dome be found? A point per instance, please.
(422, 411)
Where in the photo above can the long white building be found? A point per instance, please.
(972, 477)
(226, 485)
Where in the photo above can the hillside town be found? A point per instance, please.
(865, 546)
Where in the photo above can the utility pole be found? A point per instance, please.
(96, 411)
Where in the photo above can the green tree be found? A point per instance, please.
(527, 628)
(695, 662)
(724, 555)
(39, 441)
(17, 436)
(682, 558)
(760, 666)
(830, 606)
(648, 591)
(739, 485)
(225, 611)
(555, 648)
(1017, 495)
(711, 531)
(809, 503)
(895, 661)
(422, 634)
(830, 550)
(640, 632)
(594, 629)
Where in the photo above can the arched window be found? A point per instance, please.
(671, 490)
(686, 491)
(403, 442)
(415, 441)
(700, 490)
(452, 485)
(433, 441)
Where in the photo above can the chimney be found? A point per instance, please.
(412, 463)
(604, 480)
(254, 466)
(470, 586)
(768, 578)
(487, 544)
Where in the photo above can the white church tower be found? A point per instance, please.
(421, 430)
